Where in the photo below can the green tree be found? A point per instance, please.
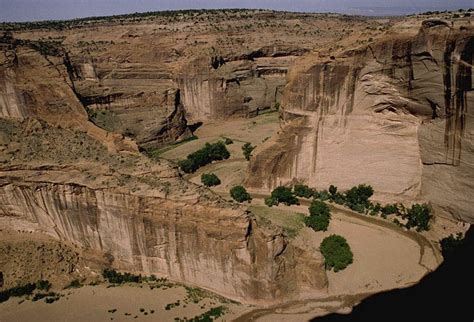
(303, 191)
(418, 216)
(357, 198)
(319, 216)
(337, 253)
(332, 190)
(247, 149)
(284, 195)
(319, 208)
(239, 194)
(270, 202)
(210, 179)
(317, 223)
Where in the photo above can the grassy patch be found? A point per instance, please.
(291, 222)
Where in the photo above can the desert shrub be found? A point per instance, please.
(450, 244)
(210, 179)
(228, 141)
(418, 216)
(284, 195)
(332, 190)
(337, 253)
(74, 284)
(43, 285)
(303, 191)
(247, 149)
(239, 194)
(204, 156)
(270, 202)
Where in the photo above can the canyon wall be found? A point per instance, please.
(139, 215)
(167, 236)
(243, 86)
(393, 114)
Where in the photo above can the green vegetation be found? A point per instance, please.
(450, 244)
(291, 222)
(43, 285)
(319, 216)
(357, 198)
(209, 315)
(114, 277)
(74, 284)
(239, 194)
(210, 180)
(204, 156)
(169, 306)
(418, 216)
(247, 149)
(337, 253)
(284, 195)
(228, 141)
(270, 202)
(302, 191)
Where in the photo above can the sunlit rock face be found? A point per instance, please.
(394, 114)
(178, 238)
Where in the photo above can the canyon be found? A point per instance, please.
(86, 104)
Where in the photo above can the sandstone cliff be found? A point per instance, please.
(393, 114)
(143, 217)
(146, 78)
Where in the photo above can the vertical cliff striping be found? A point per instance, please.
(374, 115)
(201, 243)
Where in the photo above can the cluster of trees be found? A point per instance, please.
(319, 216)
(281, 195)
(112, 276)
(210, 180)
(418, 216)
(337, 253)
(209, 153)
(239, 194)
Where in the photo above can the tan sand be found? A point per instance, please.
(92, 303)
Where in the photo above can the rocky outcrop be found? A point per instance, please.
(393, 114)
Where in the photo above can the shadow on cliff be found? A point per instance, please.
(445, 295)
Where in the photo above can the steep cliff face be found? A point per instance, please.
(240, 87)
(143, 217)
(393, 114)
(177, 238)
